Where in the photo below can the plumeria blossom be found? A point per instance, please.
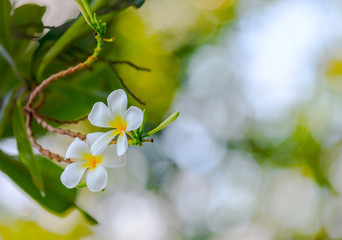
(92, 166)
(114, 116)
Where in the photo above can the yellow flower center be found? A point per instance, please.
(92, 161)
(119, 124)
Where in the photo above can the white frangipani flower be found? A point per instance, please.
(114, 116)
(93, 166)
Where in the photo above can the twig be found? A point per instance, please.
(63, 121)
(34, 143)
(130, 64)
(51, 128)
(125, 86)
(115, 62)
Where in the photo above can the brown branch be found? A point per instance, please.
(130, 64)
(133, 65)
(34, 143)
(115, 62)
(125, 86)
(51, 128)
(63, 121)
(112, 63)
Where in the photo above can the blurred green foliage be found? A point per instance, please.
(300, 150)
(28, 230)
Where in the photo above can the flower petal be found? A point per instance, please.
(92, 137)
(72, 174)
(97, 179)
(117, 102)
(133, 117)
(100, 115)
(76, 149)
(122, 144)
(101, 143)
(111, 159)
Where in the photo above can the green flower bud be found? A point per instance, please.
(164, 124)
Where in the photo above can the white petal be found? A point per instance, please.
(122, 144)
(76, 149)
(101, 143)
(134, 117)
(100, 115)
(111, 159)
(92, 137)
(97, 179)
(117, 102)
(72, 174)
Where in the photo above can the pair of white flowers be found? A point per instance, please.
(95, 154)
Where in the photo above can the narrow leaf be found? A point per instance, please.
(83, 11)
(88, 10)
(10, 61)
(5, 110)
(87, 216)
(24, 146)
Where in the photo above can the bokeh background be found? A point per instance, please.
(256, 151)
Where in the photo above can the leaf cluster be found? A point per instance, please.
(26, 57)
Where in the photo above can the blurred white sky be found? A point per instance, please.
(278, 50)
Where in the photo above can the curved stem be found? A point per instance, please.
(31, 112)
(34, 143)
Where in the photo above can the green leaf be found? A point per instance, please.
(16, 32)
(10, 61)
(5, 110)
(5, 31)
(57, 199)
(24, 146)
(114, 5)
(300, 150)
(164, 124)
(87, 216)
(26, 21)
